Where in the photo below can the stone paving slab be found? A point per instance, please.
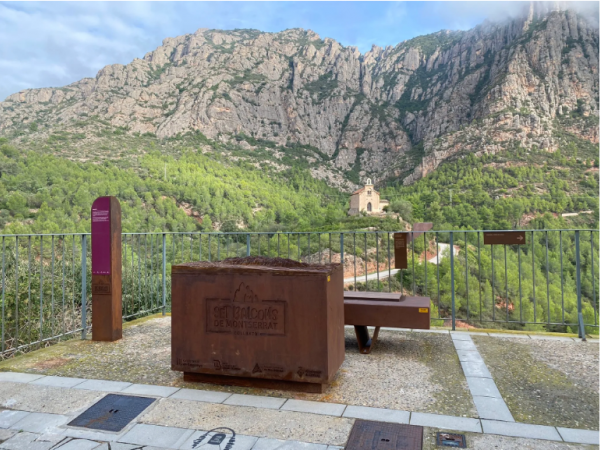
(144, 434)
(79, 444)
(151, 390)
(19, 377)
(103, 385)
(6, 434)
(469, 356)
(27, 441)
(83, 433)
(492, 408)
(446, 422)
(329, 409)
(241, 442)
(201, 396)
(473, 369)
(579, 436)
(464, 345)
(65, 382)
(520, 430)
(483, 387)
(275, 444)
(256, 401)
(41, 423)
(377, 414)
(460, 336)
(9, 418)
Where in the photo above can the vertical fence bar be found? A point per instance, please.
(29, 287)
(52, 287)
(83, 285)
(412, 239)
(200, 247)
(533, 275)
(466, 272)
(354, 239)
(452, 279)
(493, 285)
(506, 281)
(164, 273)
(547, 281)
(366, 265)
(437, 250)
(247, 245)
(389, 261)
(152, 270)
(578, 280)
(209, 247)
(377, 258)
(16, 345)
(63, 286)
(479, 273)
(3, 286)
(593, 277)
(425, 246)
(341, 250)
(562, 277)
(520, 290)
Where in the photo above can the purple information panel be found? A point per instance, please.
(101, 236)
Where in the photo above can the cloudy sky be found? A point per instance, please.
(45, 44)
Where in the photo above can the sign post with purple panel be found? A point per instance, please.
(106, 270)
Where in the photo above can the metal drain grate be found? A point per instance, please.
(368, 435)
(451, 440)
(112, 413)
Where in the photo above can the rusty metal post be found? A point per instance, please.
(107, 314)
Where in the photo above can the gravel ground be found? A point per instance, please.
(409, 371)
(545, 382)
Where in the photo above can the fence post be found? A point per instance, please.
(578, 280)
(342, 251)
(247, 245)
(83, 286)
(452, 280)
(164, 273)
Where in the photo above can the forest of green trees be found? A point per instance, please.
(174, 187)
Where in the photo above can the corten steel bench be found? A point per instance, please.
(382, 309)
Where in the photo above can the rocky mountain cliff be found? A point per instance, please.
(392, 113)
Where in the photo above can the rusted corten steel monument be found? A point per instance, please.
(107, 315)
(256, 321)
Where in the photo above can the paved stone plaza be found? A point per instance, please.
(440, 380)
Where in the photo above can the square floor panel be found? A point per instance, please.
(112, 413)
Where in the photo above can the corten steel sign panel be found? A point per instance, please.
(401, 250)
(106, 270)
(504, 237)
(408, 312)
(257, 322)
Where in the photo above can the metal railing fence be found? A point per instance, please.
(549, 283)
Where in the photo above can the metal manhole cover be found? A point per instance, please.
(451, 440)
(112, 413)
(368, 435)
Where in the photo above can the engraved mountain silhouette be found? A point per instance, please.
(244, 294)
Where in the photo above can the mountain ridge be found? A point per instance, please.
(392, 113)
